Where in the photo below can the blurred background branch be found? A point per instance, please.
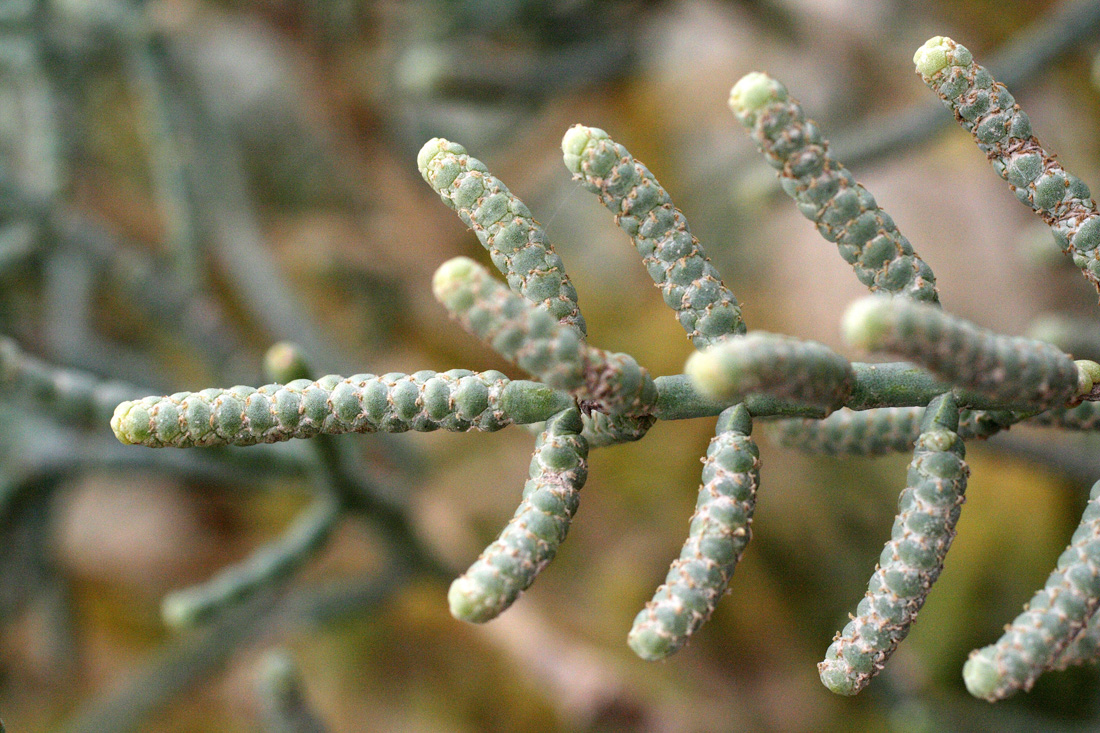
(185, 182)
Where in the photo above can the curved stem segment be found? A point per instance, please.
(720, 530)
(530, 337)
(675, 260)
(1051, 620)
(262, 569)
(509, 565)
(912, 559)
(69, 394)
(986, 109)
(1010, 369)
(844, 211)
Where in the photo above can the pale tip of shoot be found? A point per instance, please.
(178, 612)
(866, 322)
(1088, 375)
(428, 152)
(467, 602)
(576, 141)
(836, 679)
(706, 372)
(753, 91)
(648, 643)
(284, 362)
(933, 55)
(432, 150)
(981, 677)
(453, 276)
(130, 423)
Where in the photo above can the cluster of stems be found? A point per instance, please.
(959, 382)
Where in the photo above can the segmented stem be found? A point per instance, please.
(1085, 416)
(675, 260)
(844, 211)
(912, 559)
(457, 401)
(850, 433)
(531, 338)
(265, 567)
(881, 431)
(986, 109)
(781, 366)
(1052, 619)
(719, 532)
(510, 564)
(1017, 371)
(1084, 649)
(504, 226)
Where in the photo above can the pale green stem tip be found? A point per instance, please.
(649, 644)
(837, 680)
(177, 611)
(284, 362)
(932, 56)
(708, 375)
(866, 321)
(1088, 375)
(576, 141)
(130, 423)
(434, 148)
(753, 91)
(467, 602)
(980, 676)
(452, 276)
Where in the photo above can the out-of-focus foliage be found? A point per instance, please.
(185, 182)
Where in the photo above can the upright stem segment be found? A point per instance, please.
(675, 260)
(844, 211)
(504, 226)
(986, 109)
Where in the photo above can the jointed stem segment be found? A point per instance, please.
(973, 384)
(509, 566)
(530, 337)
(675, 260)
(844, 211)
(720, 530)
(911, 560)
(504, 225)
(458, 400)
(986, 109)
(1051, 620)
(1003, 368)
(785, 367)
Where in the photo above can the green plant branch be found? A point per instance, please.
(986, 109)
(965, 381)
(1052, 620)
(912, 559)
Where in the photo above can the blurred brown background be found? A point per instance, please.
(188, 181)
